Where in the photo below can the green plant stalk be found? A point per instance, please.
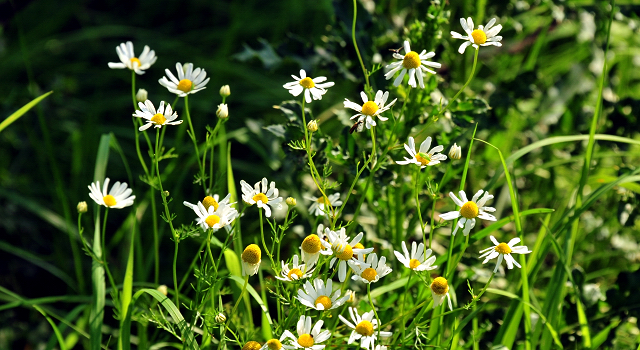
(373, 308)
(104, 250)
(195, 143)
(233, 312)
(98, 298)
(213, 144)
(355, 45)
(264, 243)
(404, 302)
(127, 285)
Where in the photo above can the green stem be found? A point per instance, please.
(233, 312)
(404, 302)
(374, 309)
(355, 44)
(133, 90)
(195, 143)
(473, 71)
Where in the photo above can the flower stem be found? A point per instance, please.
(195, 143)
(473, 71)
(373, 308)
(355, 45)
(406, 296)
(233, 312)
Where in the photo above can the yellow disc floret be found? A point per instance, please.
(503, 248)
(345, 254)
(135, 60)
(311, 244)
(296, 272)
(251, 345)
(274, 344)
(359, 246)
(369, 108)
(159, 119)
(306, 340)
(185, 85)
(307, 83)
(251, 254)
(320, 200)
(211, 220)
(413, 264)
(423, 158)
(365, 328)
(109, 200)
(440, 286)
(479, 37)
(369, 274)
(261, 197)
(411, 60)
(209, 201)
(324, 300)
(469, 210)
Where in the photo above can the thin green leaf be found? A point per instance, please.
(24, 109)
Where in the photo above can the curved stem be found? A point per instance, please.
(233, 312)
(473, 71)
(355, 44)
(373, 308)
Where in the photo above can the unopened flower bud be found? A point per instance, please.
(82, 207)
(141, 96)
(223, 111)
(225, 91)
(291, 202)
(166, 193)
(252, 345)
(312, 126)
(163, 289)
(352, 296)
(455, 152)
(221, 318)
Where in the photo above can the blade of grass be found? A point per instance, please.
(24, 109)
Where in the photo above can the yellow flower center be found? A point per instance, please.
(369, 274)
(479, 37)
(359, 246)
(109, 200)
(469, 210)
(311, 244)
(209, 201)
(212, 220)
(324, 300)
(365, 328)
(251, 345)
(503, 248)
(411, 60)
(261, 197)
(135, 60)
(306, 340)
(274, 344)
(423, 158)
(296, 272)
(185, 85)
(307, 83)
(251, 254)
(440, 286)
(346, 254)
(369, 108)
(413, 264)
(159, 119)
(321, 200)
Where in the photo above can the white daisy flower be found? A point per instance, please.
(318, 207)
(251, 258)
(372, 274)
(265, 197)
(424, 157)
(157, 118)
(370, 109)
(503, 251)
(364, 328)
(344, 250)
(412, 62)
(312, 87)
(211, 201)
(308, 338)
(470, 210)
(483, 36)
(296, 272)
(440, 290)
(312, 248)
(318, 296)
(418, 260)
(189, 80)
(129, 60)
(213, 216)
(118, 198)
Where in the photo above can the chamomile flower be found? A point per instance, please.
(308, 338)
(211, 201)
(118, 198)
(418, 260)
(483, 36)
(370, 109)
(319, 296)
(343, 249)
(272, 344)
(189, 80)
(318, 207)
(503, 251)
(129, 60)
(424, 157)
(364, 328)
(251, 345)
(440, 290)
(469, 210)
(264, 197)
(154, 117)
(414, 63)
(251, 258)
(215, 216)
(313, 88)
(372, 274)
(296, 272)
